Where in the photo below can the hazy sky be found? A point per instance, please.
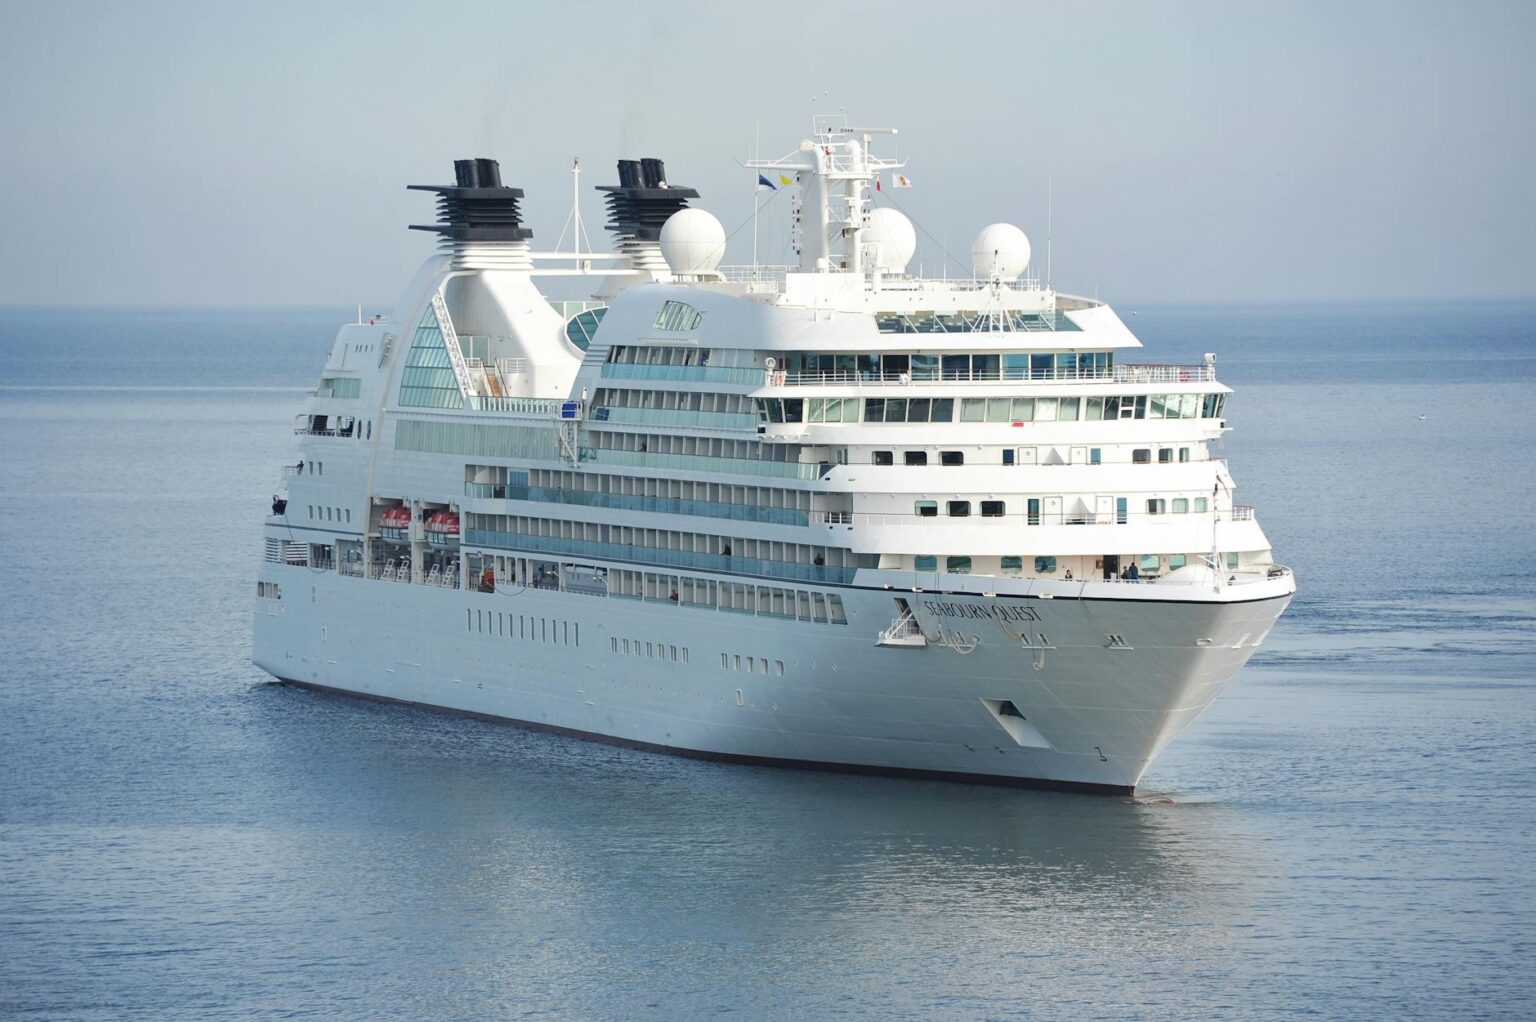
(257, 154)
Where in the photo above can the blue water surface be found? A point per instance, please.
(1350, 836)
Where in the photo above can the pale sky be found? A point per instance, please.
(257, 154)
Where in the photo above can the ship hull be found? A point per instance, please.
(1071, 709)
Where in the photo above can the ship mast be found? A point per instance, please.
(834, 169)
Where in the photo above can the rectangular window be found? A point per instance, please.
(1176, 561)
(1141, 456)
(1045, 565)
(884, 458)
(926, 508)
(1045, 409)
(1232, 562)
(973, 409)
(1095, 456)
(916, 457)
(1122, 512)
(993, 509)
(1093, 409)
(957, 565)
(1023, 409)
(921, 563)
(1181, 505)
(1013, 565)
(1200, 505)
(1033, 516)
(1165, 455)
(1147, 562)
(1156, 506)
(959, 508)
(1183, 454)
(952, 457)
(942, 410)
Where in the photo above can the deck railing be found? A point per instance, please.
(1124, 373)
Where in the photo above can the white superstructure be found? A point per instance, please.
(830, 515)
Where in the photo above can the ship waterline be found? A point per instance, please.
(833, 516)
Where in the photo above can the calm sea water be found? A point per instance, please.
(1353, 825)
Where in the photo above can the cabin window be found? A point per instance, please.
(1183, 454)
(952, 457)
(1165, 455)
(1156, 506)
(1045, 565)
(1232, 562)
(1201, 504)
(884, 458)
(959, 509)
(1095, 456)
(921, 563)
(916, 457)
(1181, 505)
(993, 509)
(1122, 510)
(1176, 561)
(1033, 516)
(957, 565)
(926, 508)
(1013, 565)
(1141, 456)
(1147, 563)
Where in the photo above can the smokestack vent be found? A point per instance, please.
(476, 207)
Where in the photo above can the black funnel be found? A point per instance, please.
(477, 207)
(642, 200)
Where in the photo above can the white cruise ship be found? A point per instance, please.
(830, 515)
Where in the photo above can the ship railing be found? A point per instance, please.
(767, 280)
(1227, 577)
(1029, 519)
(1124, 373)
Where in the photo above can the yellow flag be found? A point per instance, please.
(784, 180)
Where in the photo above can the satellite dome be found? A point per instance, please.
(893, 238)
(692, 242)
(1000, 252)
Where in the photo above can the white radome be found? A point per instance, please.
(692, 243)
(1000, 252)
(894, 239)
